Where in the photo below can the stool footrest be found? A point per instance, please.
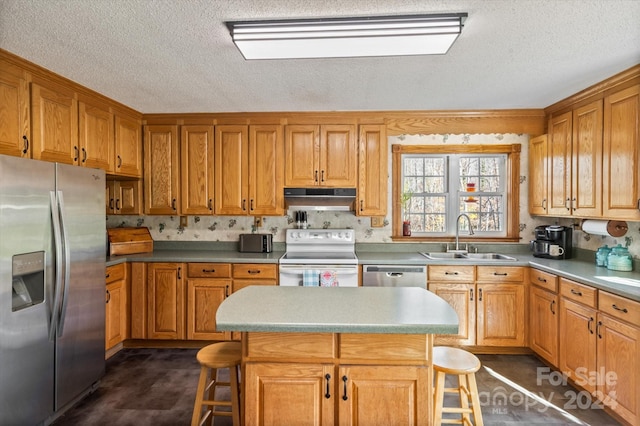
(457, 410)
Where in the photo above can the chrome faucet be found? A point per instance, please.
(458, 231)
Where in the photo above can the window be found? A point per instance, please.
(433, 187)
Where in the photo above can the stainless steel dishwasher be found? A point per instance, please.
(394, 276)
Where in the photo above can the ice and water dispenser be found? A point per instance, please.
(27, 280)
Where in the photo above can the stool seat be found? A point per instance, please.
(211, 358)
(463, 364)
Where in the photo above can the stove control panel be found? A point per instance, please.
(324, 236)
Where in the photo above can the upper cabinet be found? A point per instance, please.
(621, 154)
(373, 182)
(538, 172)
(196, 169)
(95, 137)
(161, 170)
(14, 115)
(323, 155)
(128, 146)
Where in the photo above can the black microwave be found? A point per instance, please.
(256, 243)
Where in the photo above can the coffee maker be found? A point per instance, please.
(548, 236)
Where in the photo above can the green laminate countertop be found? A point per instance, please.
(385, 310)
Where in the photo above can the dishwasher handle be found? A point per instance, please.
(396, 271)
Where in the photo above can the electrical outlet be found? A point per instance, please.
(377, 221)
(183, 221)
(257, 222)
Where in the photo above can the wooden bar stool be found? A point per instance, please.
(211, 358)
(463, 364)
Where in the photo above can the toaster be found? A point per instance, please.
(256, 243)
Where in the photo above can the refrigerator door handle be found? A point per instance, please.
(57, 240)
(67, 264)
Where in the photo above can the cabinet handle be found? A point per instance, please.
(328, 377)
(26, 148)
(361, 205)
(344, 382)
(471, 294)
(315, 175)
(210, 204)
(479, 295)
(107, 276)
(551, 305)
(576, 292)
(573, 204)
(544, 204)
(173, 204)
(208, 270)
(108, 297)
(323, 176)
(500, 274)
(76, 153)
(623, 310)
(638, 203)
(84, 155)
(450, 273)
(244, 204)
(226, 291)
(119, 161)
(251, 205)
(179, 273)
(253, 271)
(598, 329)
(589, 325)
(118, 204)
(567, 204)
(543, 280)
(111, 203)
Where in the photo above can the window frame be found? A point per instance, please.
(512, 190)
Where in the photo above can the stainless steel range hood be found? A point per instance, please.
(334, 199)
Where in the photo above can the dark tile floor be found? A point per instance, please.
(157, 387)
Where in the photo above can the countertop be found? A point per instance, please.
(384, 310)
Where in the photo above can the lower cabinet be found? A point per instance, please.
(246, 274)
(165, 301)
(544, 315)
(116, 305)
(208, 284)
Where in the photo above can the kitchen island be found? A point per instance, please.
(336, 355)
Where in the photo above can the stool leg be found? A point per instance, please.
(475, 400)
(235, 395)
(438, 399)
(197, 408)
(213, 380)
(463, 390)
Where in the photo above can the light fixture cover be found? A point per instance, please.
(347, 37)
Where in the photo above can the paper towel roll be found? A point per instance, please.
(610, 228)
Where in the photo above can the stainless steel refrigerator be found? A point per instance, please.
(52, 287)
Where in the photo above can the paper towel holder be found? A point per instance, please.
(615, 228)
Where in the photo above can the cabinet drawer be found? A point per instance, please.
(500, 273)
(254, 271)
(383, 348)
(115, 273)
(619, 307)
(578, 292)
(209, 270)
(543, 279)
(453, 273)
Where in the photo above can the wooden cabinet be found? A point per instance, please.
(372, 163)
(621, 155)
(208, 284)
(15, 114)
(544, 315)
(538, 171)
(323, 155)
(575, 167)
(161, 170)
(489, 301)
(249, 170)
(127, 146)
(96, 137)
(123, 197)
(165, 301)
(246, 274)
(196, 170)
(116, 305)
(54, 119)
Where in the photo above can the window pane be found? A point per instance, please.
(490, 184)
(413, 167)
(469, 166)
(434, 166)
(434, 185)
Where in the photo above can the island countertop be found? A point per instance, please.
(408, 310)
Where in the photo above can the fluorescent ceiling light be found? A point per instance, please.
(347, 37)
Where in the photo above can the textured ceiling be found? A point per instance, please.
(177, 55)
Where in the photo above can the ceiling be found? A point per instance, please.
(177, 56)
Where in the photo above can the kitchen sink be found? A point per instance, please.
(442, 255)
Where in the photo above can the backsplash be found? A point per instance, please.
(228, 228)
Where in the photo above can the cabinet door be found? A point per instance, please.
(266, 170)
(560, 129)
(501, 314)
(231, 165)
(196, 170)
(619, 367)
(586, 158)
(387, 395)
(373, 182)
(461, 297)
(96, 137)
(14, 116)
(543, 323)
(538, 171)
(115, 319)
(128, 147)
(55, 125)
(338, 156)
(166, 294)
(123, 197)
(621, 156)
(161, 171)
(577, 357)
(289, 394)
(302, 152)
(204, 296)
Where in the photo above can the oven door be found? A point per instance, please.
(294, 275)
